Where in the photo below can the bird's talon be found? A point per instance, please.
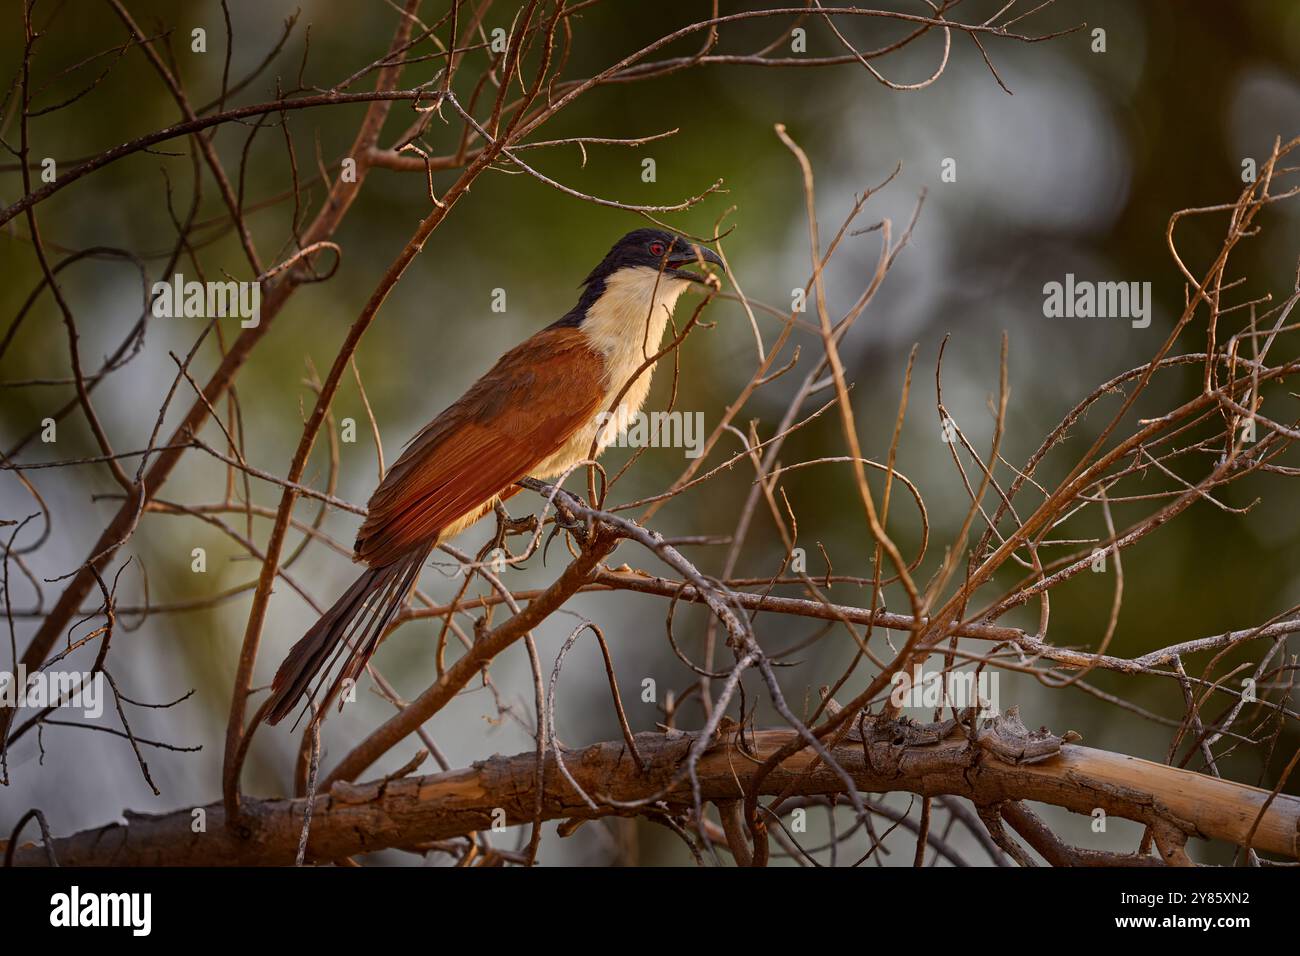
(507, 526)
(556, 529)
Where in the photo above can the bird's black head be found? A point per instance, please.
(658, 250)
(662, 254)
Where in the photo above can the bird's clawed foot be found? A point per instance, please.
(566, 520)
(507, 525)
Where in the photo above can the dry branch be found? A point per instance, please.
(406, 812)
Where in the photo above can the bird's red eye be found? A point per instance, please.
(656, 248)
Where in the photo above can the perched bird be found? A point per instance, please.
(535, 413)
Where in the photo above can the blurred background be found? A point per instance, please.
(1077, 172)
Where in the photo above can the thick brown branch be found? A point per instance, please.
(352, 819)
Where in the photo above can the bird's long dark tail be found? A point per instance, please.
(351, 629)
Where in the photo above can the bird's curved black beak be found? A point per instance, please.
(687, 255)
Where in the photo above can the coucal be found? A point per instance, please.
(536, 412)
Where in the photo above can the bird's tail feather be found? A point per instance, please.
(350, 630)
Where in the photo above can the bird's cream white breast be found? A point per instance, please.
(625, 325)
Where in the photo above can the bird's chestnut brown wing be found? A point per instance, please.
(519, 413)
